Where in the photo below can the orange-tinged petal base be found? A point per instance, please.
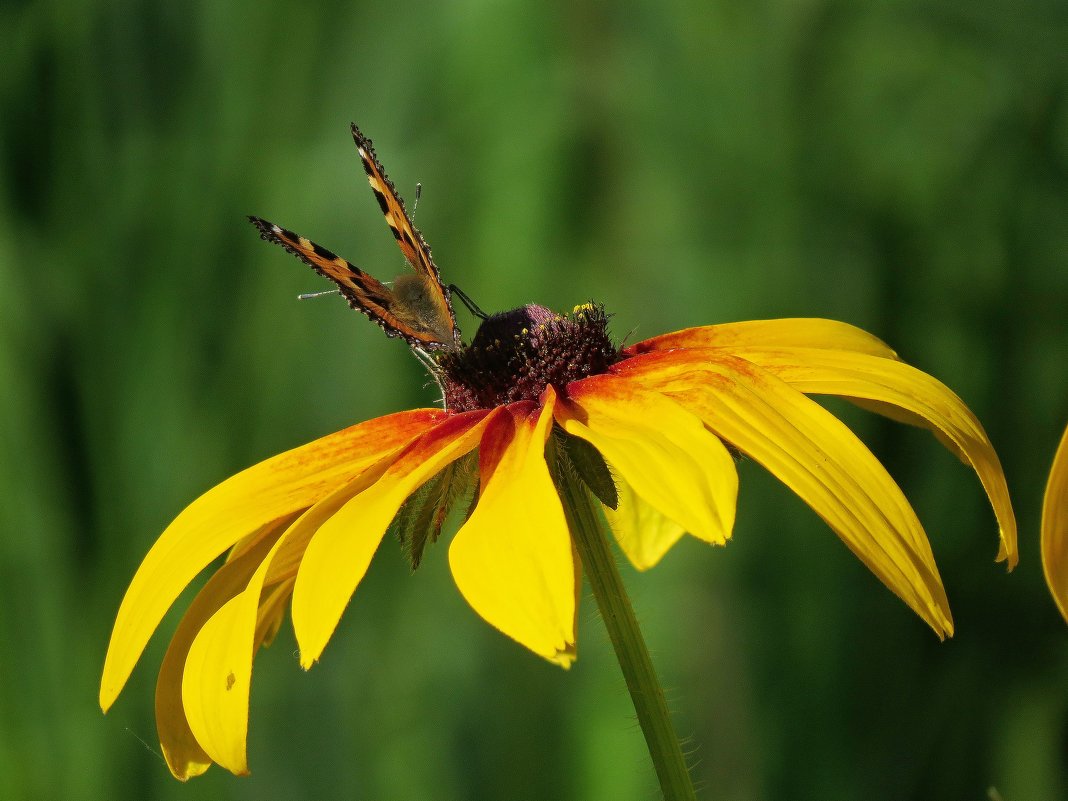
(338, 554)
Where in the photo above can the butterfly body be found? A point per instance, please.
(417, 306)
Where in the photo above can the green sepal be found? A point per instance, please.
(591, 468)
(419, 520)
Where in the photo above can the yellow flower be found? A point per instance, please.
(664, 414)
(1055, 528)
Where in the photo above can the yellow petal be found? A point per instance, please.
(895, 387)
(820, 459)
(340, 551)
(1055, 528)
(512, 560)
(286, 562)
(225, 514)
(800, 332)
(642, 532)
(183, 753)
(218, 674)
(661, 450)
(273, 607)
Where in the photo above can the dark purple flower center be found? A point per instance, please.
(516, 354)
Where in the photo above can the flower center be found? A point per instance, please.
(516, 354)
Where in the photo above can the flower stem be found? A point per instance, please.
(587, 531)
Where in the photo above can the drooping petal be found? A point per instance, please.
(185, 757)
(661, 450)
(800, 332)
(223, 515)
(512, 560)
(273, 606)
(887, 387)
(1055, 528)
(643, 533)
(820, 459)
(218, 673)
(338, 554)
(891, 388)
(286, 562)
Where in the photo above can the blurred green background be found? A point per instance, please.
(902, 166)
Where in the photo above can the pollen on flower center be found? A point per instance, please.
(516, 354)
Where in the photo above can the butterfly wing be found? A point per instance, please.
(363, 292)
(411, 242)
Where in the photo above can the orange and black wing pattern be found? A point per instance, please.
(411, 242)
(416, 307)
(363, 292)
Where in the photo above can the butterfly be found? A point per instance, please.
(417, 306)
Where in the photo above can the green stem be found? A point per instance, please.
(646, 694)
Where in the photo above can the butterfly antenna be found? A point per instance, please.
(418, 194)
(470, 304)
(309, 295)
